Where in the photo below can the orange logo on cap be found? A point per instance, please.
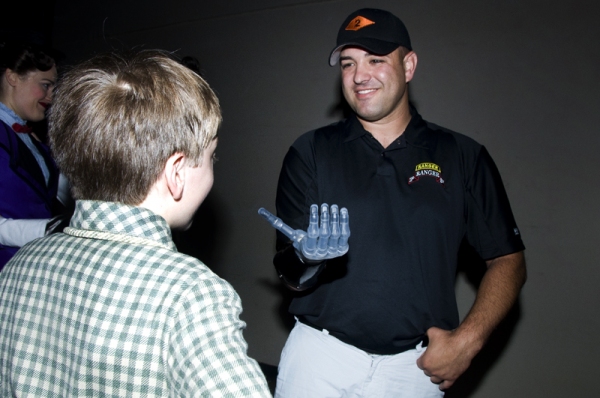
(359, 23)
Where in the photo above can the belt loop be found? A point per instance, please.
(326, 332)
(420, 348)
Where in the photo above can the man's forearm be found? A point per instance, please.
(450, 352)
(295, 273)
(497, 293)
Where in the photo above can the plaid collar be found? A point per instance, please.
(117, 218)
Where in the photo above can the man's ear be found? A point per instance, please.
(410, 65)
(175, 175)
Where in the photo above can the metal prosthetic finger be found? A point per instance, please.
(332, 249)
(324, 232)
(296, 235)
(345, 231)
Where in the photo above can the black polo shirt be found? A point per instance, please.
(410, 206)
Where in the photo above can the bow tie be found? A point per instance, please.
(19, 128)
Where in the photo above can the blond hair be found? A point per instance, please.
(116, 119)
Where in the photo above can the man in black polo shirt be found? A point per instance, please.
(382, 319)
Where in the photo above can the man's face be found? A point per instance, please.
(373, 85)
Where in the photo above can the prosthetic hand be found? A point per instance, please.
(323, 240)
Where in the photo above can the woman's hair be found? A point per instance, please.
(23, 58)
(116, 119)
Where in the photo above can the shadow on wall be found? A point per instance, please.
(474, 268)
(340, 108)
(285, 296)
(200, 241)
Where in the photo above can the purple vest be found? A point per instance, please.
(23, 191)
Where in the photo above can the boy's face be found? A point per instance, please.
(199, 181)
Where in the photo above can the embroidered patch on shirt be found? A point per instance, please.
(427, 170)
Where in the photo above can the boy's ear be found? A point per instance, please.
(175, 175)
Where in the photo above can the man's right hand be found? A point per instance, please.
(326, 237)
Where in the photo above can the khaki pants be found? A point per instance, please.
(316, 365)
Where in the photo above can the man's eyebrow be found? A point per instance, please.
(367, 54)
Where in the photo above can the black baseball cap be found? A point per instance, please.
(377, 31)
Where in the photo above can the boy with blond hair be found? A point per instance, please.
(109, 307)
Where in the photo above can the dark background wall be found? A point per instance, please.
(521, 77)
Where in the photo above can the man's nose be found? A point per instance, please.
(361, 74)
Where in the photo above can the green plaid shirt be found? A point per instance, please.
(119, 314)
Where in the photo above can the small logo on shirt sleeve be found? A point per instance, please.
(427, 170)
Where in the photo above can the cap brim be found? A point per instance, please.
(374, 46)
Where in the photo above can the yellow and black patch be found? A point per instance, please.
(427, 169)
